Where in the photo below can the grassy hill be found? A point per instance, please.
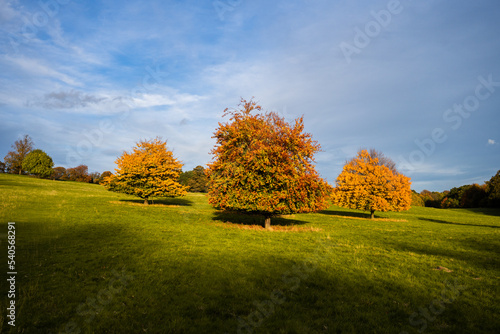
(92, 261)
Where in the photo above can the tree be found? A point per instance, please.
(14, 159)
(185, 177)
(367, 183)
(195, 179)
(38, 163)
(432, 198)
(99, 178)
(79, 174)
(474, 196)
(58, 173)
(95, 177)
(382, 160)
(493, 190)
(466, 196)
(106, 174)
(264, 165)
(449, 203)
(198, 182)
(457, 193)
(416, 199)
(2, 167)
(150, 170)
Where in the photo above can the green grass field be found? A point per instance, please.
(93, 261)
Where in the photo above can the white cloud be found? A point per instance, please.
(7, 13)
(491, 142)
(154, 100)
(36, 68)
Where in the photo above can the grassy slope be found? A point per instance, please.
(184, 270)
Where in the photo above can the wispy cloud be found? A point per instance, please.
(491, 142)
(36, 67)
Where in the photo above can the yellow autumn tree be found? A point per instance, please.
(371, 182)
(150, 170)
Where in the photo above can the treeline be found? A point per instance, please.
(474, 195)
(25, 160)
(79, 174)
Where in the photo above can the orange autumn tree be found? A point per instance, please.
(264, 165)
(150, 170)
(371, 182)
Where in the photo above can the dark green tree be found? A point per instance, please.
(457, 193)
(493, 190)
(185, 177)
(38, 163)
(198, 182)
(474, 196)
(195, 179)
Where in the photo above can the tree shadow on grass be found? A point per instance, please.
(79, 261)
(96, 267)
(346, 213)
(487, 257)
(161, 201)
(253, 219)
(439, 221)
(485, 211)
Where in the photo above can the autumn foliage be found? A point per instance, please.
(150, 170)
(262, 164)
(368, 182)
(14, 159)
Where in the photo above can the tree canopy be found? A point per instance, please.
(150, 170)
(493, 190)
(38, 163)
(195, 180)
(79, 173)
(58, 173)
(370, 182)
(262, 164)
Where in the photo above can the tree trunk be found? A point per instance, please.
(146, 201)
(20, 171)
(372, 216)
(267, 223)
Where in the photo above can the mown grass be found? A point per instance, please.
(92, 261)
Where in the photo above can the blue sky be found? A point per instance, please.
(417, 80)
